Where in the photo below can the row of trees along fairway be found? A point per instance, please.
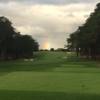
(86, 39)
(13, 45)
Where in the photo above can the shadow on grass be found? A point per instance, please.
(8, 67)
(12, 66)
(48, 61)
(63, 66)
(35, 95)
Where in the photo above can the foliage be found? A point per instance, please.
(13, 44)
(52, 49)
(86, 39)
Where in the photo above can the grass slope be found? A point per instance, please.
(51, 76)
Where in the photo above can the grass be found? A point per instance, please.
(51, 76)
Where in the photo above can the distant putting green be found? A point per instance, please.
(51, 76)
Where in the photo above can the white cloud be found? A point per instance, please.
(47, 23)
(51, 2)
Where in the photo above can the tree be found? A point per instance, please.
(52, 49)
(86, 39)
(6, 35)
(13, 44)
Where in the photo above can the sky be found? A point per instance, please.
(48, 21)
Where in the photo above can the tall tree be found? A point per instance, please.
(87, 38)
(13, 44)
(6, 34)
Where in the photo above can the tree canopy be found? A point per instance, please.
(86, 39)
(13, 44)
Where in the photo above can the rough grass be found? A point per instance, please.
(51, 76)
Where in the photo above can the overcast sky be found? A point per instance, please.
(48, 21)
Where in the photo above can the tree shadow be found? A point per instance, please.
(27, 66)
(40, 95)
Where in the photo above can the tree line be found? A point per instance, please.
(86, 39)
(13, 45)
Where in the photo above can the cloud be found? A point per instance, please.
(47, 23)
(54, 2)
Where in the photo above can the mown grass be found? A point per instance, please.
(51, 76)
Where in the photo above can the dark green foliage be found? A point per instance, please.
(13, 44)
(86, 39)
(52, 49)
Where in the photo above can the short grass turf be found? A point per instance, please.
(51, 76)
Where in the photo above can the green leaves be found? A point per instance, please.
(13, 44)
(87, 36)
